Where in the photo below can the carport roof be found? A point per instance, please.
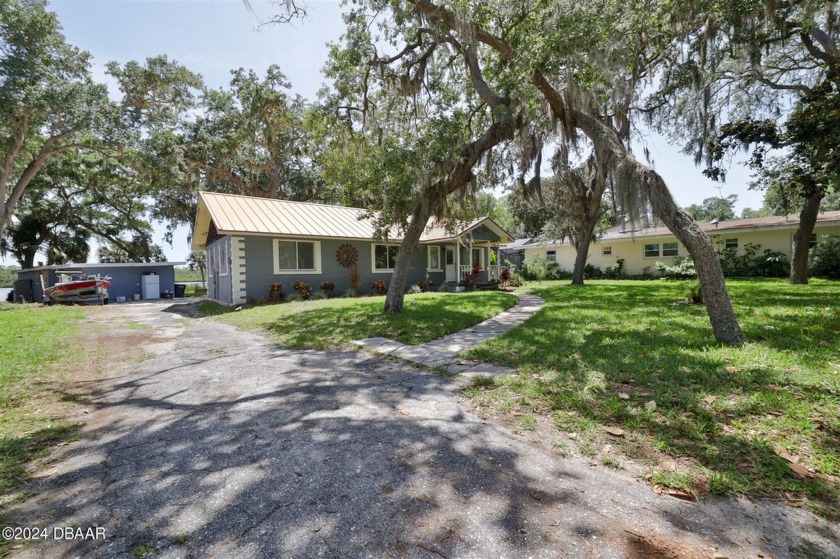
(111, 265)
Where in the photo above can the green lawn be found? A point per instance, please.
(336, 322)
(33, 340)
(595, 355)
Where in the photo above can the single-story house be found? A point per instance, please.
(252, 243)
(641, 248)
(127, 279)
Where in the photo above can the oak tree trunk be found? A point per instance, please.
(706, 262)
(802, 238)
(582, 253)
(396, 291)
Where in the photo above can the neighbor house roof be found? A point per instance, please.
(628, 231)
(232, 214)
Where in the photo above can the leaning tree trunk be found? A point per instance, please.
(706, 262)
(712, 285)
(396, 291)
(802, 238)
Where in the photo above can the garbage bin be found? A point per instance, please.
(180, 289)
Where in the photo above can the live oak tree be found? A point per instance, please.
(47, 97)
(740, 67)
(569, 52)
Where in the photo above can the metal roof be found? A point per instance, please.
(233, 214)
(732, 226)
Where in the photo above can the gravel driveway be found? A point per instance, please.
(223, 445)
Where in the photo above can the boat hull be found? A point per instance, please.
(78, 290)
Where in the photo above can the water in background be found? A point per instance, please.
(4, 292)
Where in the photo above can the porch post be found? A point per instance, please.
(458, 259)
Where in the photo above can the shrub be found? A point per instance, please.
(504, 276)
(535, 269)
(468, 278)
(302, 289)
(351, 292)
(276, 293)
(424, 283)
(682, 268)
(516, 280)
(592, 272)
(318, 296)
(327, 287)
(378, 287)
(825, 257)
(414, 289)
(294, 298)
(476, 268)
(616, 271)
(769, 263)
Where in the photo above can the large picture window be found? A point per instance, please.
(384, 257)
(292, 257)
(434, 259)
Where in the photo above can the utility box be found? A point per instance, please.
(150, 286)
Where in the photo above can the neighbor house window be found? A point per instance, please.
(813, 242)
(652, 250)
(434, 259)
(384, 257)
(297, 256)
(670, 249)
(606, 251)
(551, 255)
(731, 243)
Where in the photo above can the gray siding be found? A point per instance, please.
(259, 263)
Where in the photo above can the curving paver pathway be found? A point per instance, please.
(443, 352)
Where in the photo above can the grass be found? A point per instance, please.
(334, 323)
(33, 344)
(595, 355)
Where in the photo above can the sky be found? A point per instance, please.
(212, 37)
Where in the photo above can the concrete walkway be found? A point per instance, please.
(442, 353)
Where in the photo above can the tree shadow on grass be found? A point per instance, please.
(231, 447)
(604, 351)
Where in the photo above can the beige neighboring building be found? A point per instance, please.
(642, 248)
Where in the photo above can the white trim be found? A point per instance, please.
(238, 269)
(373, 268)
(429, 258)
(275, 254)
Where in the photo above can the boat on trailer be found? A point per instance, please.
(76, 287)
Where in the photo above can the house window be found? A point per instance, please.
(434, 259)
(223, 261)
(813, 242)
(476, 256)
(606, 251)
(670, 249)
(731, 243)
(551, 255)
(384, 257)
(292, 257)
(450, 257)
(652, 250)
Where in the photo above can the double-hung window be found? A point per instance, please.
(606, 251)
(731, 243)
(291, 257)
(434, 259)
(384, 257)
(652, 250)
(670, 249)
(551, 255)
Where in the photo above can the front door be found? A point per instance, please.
(451, 272)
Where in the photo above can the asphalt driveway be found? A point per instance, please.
(222, 445)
